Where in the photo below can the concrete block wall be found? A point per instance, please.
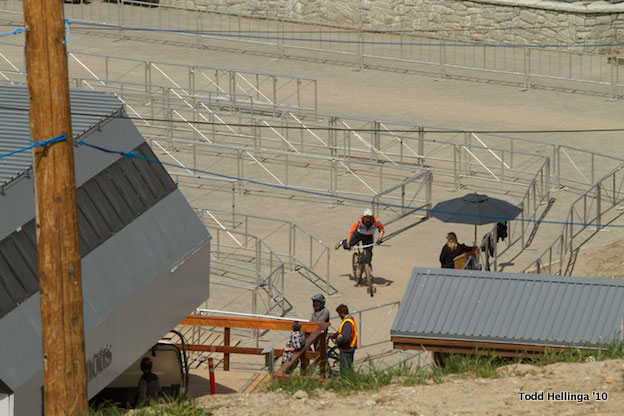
(510, 21)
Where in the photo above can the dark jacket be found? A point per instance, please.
(149, 388)
(447, 255)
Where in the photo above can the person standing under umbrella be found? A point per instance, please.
(451, 250)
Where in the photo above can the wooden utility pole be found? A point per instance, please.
(60, 286)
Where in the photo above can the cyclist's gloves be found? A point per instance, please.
(379, 241)
(345, 245)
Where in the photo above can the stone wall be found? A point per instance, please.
(510, 21)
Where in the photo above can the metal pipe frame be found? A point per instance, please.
(590, 207)
(259, 275)
(297, 238)
(397, 48)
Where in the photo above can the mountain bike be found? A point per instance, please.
(362, 266)
(333, 361)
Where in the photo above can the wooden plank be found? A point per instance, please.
(459, 350)
(251, 323)
(240, 350)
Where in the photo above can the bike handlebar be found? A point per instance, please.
(368, 245)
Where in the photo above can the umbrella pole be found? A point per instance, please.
(475, 240)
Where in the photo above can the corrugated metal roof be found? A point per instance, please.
(87, 107)
(107, 203)
(134, 291)
(510, 308)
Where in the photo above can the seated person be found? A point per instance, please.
(295, 343)
(149, 385)
(451, 250)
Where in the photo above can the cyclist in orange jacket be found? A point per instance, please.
(363, 229)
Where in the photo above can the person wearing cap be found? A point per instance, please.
(363, 229)
(320, 314)
(149, 385)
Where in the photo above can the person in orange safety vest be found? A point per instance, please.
(346, 339)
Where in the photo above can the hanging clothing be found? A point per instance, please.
(501, 231)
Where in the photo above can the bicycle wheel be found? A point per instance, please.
(333, 362)
(369, 279)
(357, 271)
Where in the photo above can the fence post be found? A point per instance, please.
(598, 205)
(291, 240)
(429, 192)
(280, 38)
(274, 96)
(359, 332)
(254, 303)
(226, 343)
(333, 177)
(311, 256)
(376, 142)
(613, 60)
(467, 142)
(456, 152)
(191, 80)
(269, 278)
(421, 145)
(198, 26)
(527, 69)
(571, 233)
(557, 166)
(403, 209)
(233, 204)
(442, 59)
(283, 290)
(328, 262)
(361, 49)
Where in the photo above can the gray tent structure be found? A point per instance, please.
(145, 253)
(468, 311)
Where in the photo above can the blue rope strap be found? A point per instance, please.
(36, 144)
(14, 32)
(67, 23)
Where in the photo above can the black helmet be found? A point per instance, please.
(319, 297)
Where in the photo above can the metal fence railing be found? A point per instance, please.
(352, 180)
(254, 268)
(526, 65)
(589, 210)
(268, 91)
(301, 251)
(369, 334)
(219, 112)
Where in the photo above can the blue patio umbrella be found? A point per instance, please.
(476, 209)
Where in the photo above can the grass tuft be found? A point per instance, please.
(182, 406)
(371, 377)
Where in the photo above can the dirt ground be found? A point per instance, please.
(562, 389)
(602, 261)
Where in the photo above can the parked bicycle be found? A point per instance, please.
(333, 361)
